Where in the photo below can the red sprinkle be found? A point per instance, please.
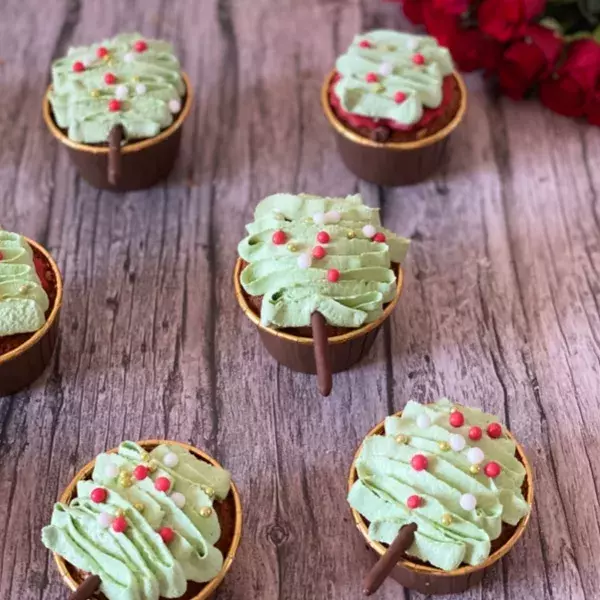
(167, 534)
(119, 525)
(399, 97)
(494, 430)
(379, 237)
(101, 52)
(140, 46)
(323, 237)
(114, 105)
(475, 433)
(78, 66)
(141, 472)
(457, 419)
(365, 44)
(419, 462)
(414, 501)
(98, 495)
(492, 469)
(1, 256)
(372, 77)
(333, 275)
(279, 237)
(318, 252)
(109, 78)
(162, 484)
(418, 59)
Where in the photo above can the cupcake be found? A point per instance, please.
(308, 256)
(30, 302)
(147, 521)
(393, 99)
(458, 476)
(118, 107)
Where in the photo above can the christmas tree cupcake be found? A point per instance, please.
(118, 107)
(393, 99)
(446, 488)
(318, 276)
(30, 302)
(146, 521)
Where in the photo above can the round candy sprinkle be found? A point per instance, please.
(139, 507)
(494, 430)
(171, 459)
(291, 247)
(492, 469)
(385, 69)
(318, 252)
(111, 470)
(105, 520)
(179, 499)
(167, 534)
(475, 433)
(319, 218)
(414, 501)
(304, 260)
(210, 492)
(468, 502)
(279, 237)
(444, 446)
(333, 216)
(78, 66)
(140, 46)
(141, 472)
(109, 78)
(401, 439)
(87, 61)
(128, 57)
(475, 455)
(162, 484)
(119, 525)
(457, 419)
(379, 237)
(101, 52)
(364, 44)
(419, 462)
(140, 89)
(350, 235)
(369, 231)
(399, 97)
(418, 59)
(98, 495)
(423, 421)
(371, 77)
(447, 519)
(333, 275)
(457, 442)
(174, 106)
(114, 105)
(205, 511)
(121, 92)
(474, 469)
(323, 237)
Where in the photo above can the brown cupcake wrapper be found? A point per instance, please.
(425, 578)
(23, 365)
(73, 577)
(392, 163)
(142, 163)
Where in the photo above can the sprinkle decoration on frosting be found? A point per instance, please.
(347, 278)
(23, 300)
(392, 76)
(125, 80)
(143, 543)
(458, 498)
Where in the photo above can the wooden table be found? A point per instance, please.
(500, 308)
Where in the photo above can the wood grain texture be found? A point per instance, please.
(500, 308)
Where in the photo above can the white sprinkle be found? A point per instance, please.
(105, 520)
(87, 61)
(385, 69)
(111, 470)
(423, 421)
(333, 216)
(140, 89)
(129, 57)
(475, 455)
(174, 106)
(457, 442)
(319, 218)
(171, 459)
(121, 92)
(468, 501)
(304, 261)
(179, 499)
(369, 231)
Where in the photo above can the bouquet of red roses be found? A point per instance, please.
(551, 47)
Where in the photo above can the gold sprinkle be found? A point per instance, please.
(208, 491)
(351, 235)
(308, 220)
(205, 511)
(474, 469)
(446, 519)
(135, 78)
(139, 507)
(402, 439)
(24, 289)
(120, 512)
(110, 62)
(95, 93)
(145, 457)
(444, 446)
(125, 479)
(152, 465)
(378, 88)
(291, 247)
(106, 57)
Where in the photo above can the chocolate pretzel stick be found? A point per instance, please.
(383, 567)
(86, 589)
(321, 349)
(115, 137)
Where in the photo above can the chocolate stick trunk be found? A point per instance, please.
(115, 137)
(383, 567)
(86, 589)
(321, 349)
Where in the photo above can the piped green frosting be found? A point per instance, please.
(389, 56)
(450, 531)
(137, 564)
(23, 300)
(148, 85)
(294, 284)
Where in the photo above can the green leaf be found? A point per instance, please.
(552, 24)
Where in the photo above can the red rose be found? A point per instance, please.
(568, 90)
(452, 7)
(507, 19)
(529, 60)
(413, 9)
(592, 107)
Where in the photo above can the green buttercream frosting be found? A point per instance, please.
(460, 512)
(294, 284)
(147, 83)
(388, 58)
(23, 301)
(138, 564)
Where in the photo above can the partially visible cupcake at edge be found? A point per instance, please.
(147, 523)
